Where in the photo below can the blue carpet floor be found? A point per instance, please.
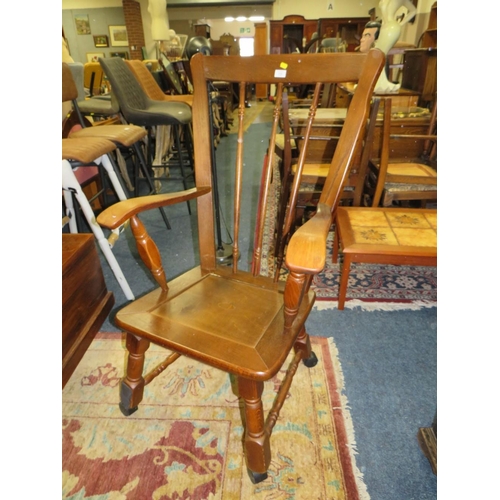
(388, 358)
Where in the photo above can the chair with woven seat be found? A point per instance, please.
(138, 109)
(231, 317)
(408, 179)
(122, 135)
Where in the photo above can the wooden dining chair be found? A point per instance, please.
(312, 178)
(231, 317)
(403, 179)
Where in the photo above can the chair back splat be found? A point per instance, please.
(299, 70)
(230, 319)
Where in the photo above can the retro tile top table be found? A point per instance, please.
(400, 236)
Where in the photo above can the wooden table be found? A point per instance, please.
(399, 236)
(86, 301)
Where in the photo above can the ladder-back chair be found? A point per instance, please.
(394, 178)
(312, 178)
(224, 316)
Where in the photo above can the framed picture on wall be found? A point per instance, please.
(118, 36)
(101, 41)
(82, 25)
(123, 55)
(94, 56)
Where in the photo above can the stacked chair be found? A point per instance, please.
(232, 319)
(126, 136)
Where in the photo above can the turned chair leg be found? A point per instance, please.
(132, 385)
(257, 444)
(303, 343)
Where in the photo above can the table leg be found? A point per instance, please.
(344, 278)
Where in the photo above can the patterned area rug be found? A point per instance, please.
(184, 442)
(371, 286)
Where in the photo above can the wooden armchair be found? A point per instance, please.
(229, 318)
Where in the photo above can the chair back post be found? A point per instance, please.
(265, 182)
(384, 153)
(290, 212)
(366, 152)
(430, 144)
(353, 129)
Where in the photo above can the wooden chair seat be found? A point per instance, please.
(410, 172)
(187, 320)
(230, 318)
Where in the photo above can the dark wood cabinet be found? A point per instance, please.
(420, 65)
(295, 32)
(347, 29)
(291, 33)
(86, 301)
(420, 73)
(202, 30)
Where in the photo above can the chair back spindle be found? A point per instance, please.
(265, 185)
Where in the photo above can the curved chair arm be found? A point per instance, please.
(115, 215)
(306, 252)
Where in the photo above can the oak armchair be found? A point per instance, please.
(226, 317)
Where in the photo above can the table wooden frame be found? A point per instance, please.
(376, 253)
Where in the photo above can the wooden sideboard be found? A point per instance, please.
(86, 301)
(420, 73)
(329, 122)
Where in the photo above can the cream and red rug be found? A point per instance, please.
(185, 441)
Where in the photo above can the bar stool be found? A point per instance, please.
(123, 135)
(84, 152)
(138, 109)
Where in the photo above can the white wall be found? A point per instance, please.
(90, 4)
(323, 8)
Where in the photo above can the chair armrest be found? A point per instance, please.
(115, 215)
(306, 253)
